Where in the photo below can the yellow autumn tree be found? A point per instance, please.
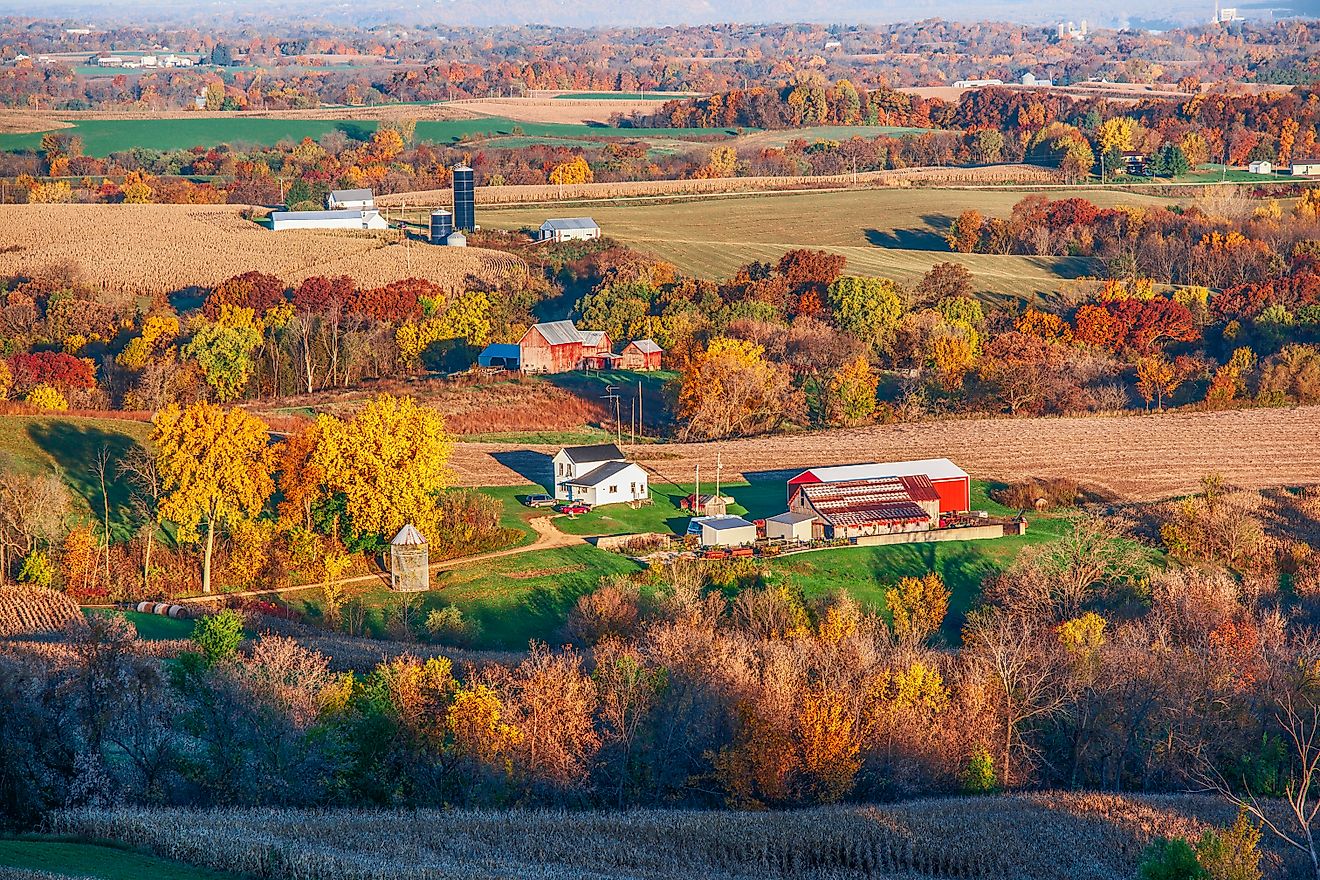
(46, 397)
(215, 468)
(830, 742)
(723, 162)
(574, 171)
(1119, 134)
(476, 722)
(852, 392)
(6, 380)
(137, 188)
(465, 317)
(917, 607)
(730, 389)
(953, 353)
(389, 461)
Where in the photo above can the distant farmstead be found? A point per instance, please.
(868, 507)
(950, 482)
(598, 475)
(560, 347)
(570, 229)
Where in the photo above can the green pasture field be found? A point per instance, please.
(896, 233)
(104, 136)
(83, 860)
(69, 444)
(153, 627)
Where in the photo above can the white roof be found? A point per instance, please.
(592, 337)
(346, 214)
(570, 223)
(724, 523)
(352, 195)
(408, 535)
(646, 346)
(558, 332)
(791, 518)
(935, 468)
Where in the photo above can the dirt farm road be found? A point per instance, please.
(547, 537)
(1126, 457)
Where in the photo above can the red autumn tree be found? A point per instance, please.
(55, 368)
(318, 294)
(251, 290)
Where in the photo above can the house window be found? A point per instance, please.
(613, 490)
(632, 488)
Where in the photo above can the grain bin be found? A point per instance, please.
(442, 224)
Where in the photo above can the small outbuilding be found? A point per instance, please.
(790, 526)
(499, 355)
(1261, 168)
(642, 355)
(456, 239)
(726, 531)
(346, 219)
(350, 200)
(705, 504)
(1305, 169)
(410, 570)
(570, 229)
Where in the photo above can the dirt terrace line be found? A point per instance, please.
(1133, 457)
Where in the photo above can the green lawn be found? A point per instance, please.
(69, 443)
(104, 136)
(754, 500)
(513, 598)
(621, 96)
(91, 860)
(153, 627)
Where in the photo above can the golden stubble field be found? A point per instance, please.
(1129, 458)
(157, 249)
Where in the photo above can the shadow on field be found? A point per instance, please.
(534, 467)
(74, 448)
(925, 239)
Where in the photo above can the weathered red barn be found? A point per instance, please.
(951, 483)
(551, 347)
(642, 355)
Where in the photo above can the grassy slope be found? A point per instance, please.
(91, 860)
(154, 627)
(892, 232)
(37, 443)
(104, 136)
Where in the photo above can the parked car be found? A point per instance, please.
(540, 501)
(573, 508)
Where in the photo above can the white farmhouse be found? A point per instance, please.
(599, 474)
(350, 199)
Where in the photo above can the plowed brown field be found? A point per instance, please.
(1134, 457)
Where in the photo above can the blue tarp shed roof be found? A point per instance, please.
(509, 351)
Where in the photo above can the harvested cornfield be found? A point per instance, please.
(901, 177)
(26, 611)
(160, 249)
(1050, 836)
(1123, 457)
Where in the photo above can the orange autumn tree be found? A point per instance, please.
(730, 389)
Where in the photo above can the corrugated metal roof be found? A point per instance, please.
(352, 195)
(790, 518)
(646, 346)
(859, 502)
(408, 535)
(722, 523)
(919, 487)
(934, 468)
(565, 223)
(592, 454)
(601, 474)
(558, 332)
(592, 337)
(346, 214)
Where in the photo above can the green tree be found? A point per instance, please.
(978, 775)
(1171, 860)
(217, 636)
(868, 308)
(1231, 854)
(224, 350)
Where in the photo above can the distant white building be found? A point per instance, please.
(110, 61)
(976, 83)
(1305, 169)
(724, 531)
(350, 200)
(569, 229)
(280, 220)
(1260, 168)
(1029, 80)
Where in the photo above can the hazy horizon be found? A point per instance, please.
(623, 13)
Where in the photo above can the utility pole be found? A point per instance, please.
(641, 429)
(719, 465)
(612, 393)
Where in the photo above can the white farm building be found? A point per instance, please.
(1261, 168)
(725, 531)
(354, 219)
(351, 200)
(598, 475)
(570, 229)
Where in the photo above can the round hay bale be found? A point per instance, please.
(145, 607)
(161, 608)
(178, 612)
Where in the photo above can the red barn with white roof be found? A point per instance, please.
(951, 483)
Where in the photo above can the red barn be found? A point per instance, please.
(552, 347)
(951, 483)
(642, 355)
